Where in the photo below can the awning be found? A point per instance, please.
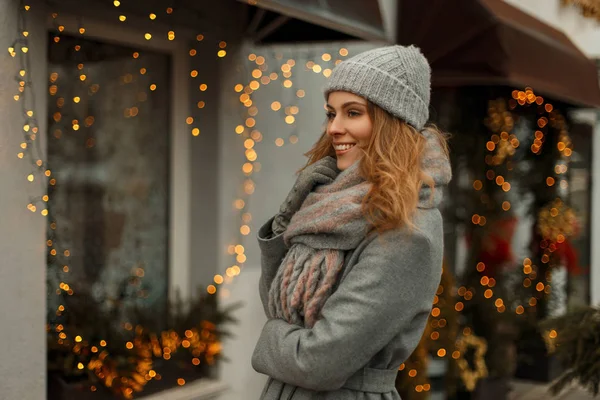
(489, 42)
(276, 21)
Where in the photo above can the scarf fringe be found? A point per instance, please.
(329, 223)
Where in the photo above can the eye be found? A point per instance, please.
(330, 115)
(353, 113)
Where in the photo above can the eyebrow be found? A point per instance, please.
(348, 104)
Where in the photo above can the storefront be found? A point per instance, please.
(518, 98)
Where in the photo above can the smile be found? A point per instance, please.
(343, 148)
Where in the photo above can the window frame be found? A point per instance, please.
(180, 229)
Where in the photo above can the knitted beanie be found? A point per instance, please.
(396, 78)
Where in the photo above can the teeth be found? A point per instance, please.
(341, 147)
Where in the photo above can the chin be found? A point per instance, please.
(343, 164)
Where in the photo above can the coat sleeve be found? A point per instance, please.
(386, 296)
(272, 252)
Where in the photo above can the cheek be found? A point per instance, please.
(363, 134)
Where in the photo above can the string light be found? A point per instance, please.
(501, 145)
(259, 74)
(504, 145)
(205, 342)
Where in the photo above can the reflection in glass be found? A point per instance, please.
(108, 149)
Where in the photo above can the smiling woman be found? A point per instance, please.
(345, 308)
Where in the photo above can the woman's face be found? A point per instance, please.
(349, 125)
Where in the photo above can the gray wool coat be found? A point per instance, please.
(370, 324)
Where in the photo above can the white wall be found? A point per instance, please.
(584, 32)
(22, 233)
(273, 182)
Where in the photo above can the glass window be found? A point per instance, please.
(108, 152)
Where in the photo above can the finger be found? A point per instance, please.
(324, 170)
(322, 179)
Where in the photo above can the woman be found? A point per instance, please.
(352, 261)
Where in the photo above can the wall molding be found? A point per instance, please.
(202, 389)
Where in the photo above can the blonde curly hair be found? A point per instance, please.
(392, 163)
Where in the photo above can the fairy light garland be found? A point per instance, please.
(470, 375)
(203, 343)
(30, 148)
(258, 73)
(202, 87)
(557, 222)
(501, 146)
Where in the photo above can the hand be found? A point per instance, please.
(322, 172)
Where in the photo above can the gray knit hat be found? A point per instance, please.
(396, 78)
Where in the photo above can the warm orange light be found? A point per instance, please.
(539, 287)
(520, 310)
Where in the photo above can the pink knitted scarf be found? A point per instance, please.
(328, 224)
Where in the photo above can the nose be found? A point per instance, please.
(335, 127)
